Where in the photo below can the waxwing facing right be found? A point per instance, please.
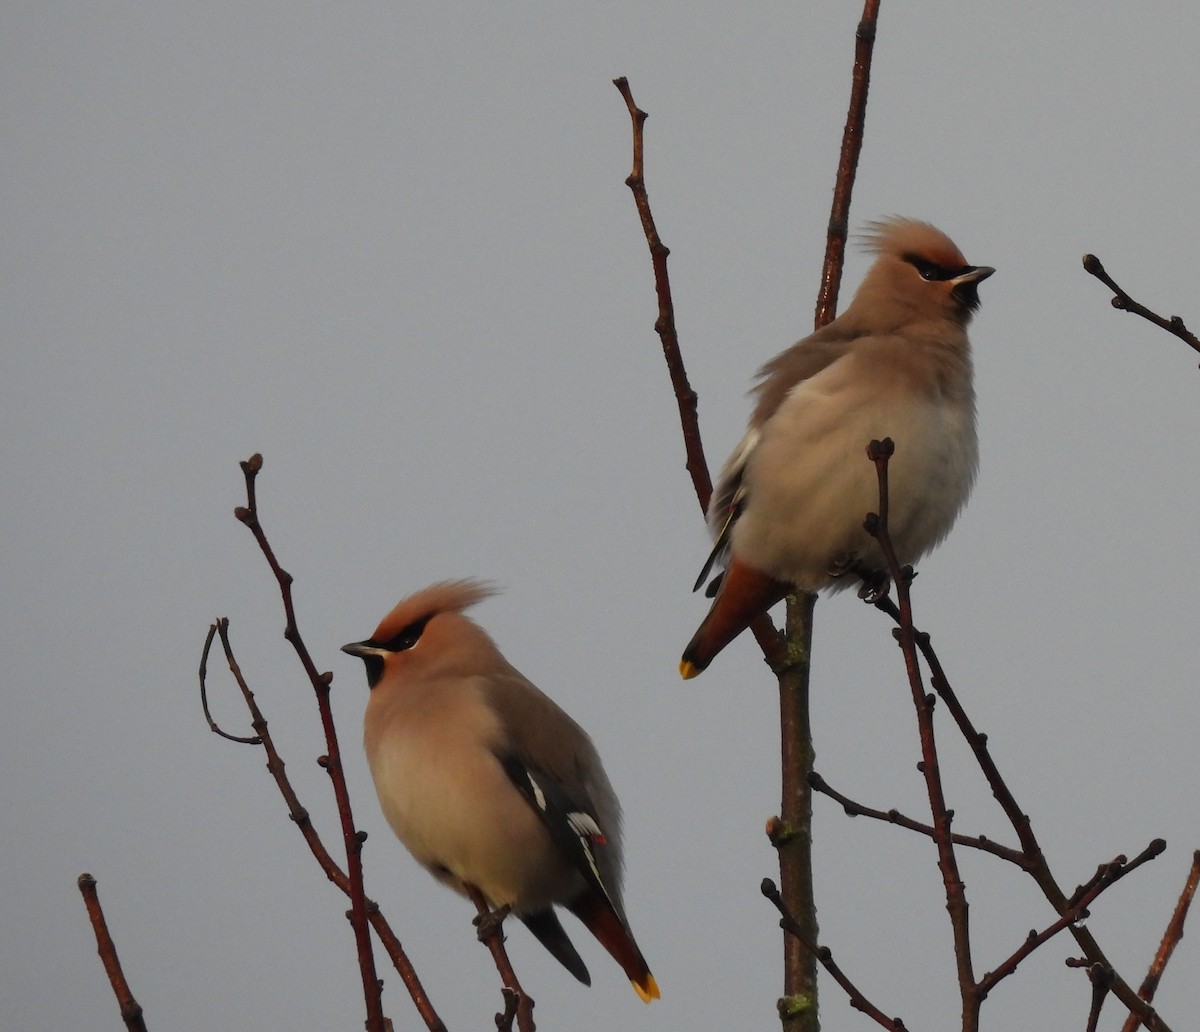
(787, 511)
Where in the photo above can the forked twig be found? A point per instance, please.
(1034, 859)
(300, 816)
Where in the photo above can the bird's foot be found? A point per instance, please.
(489, 924)
(842, 564)
(874, 587)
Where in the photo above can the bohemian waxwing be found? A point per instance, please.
(788, 509)
(487, 782)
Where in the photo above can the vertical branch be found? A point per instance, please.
(517, 1003)
(791, 835)
(852, 138)
(798, 1010)
(332, 761)
(131, 1011)
(879, 452)
(788, 657)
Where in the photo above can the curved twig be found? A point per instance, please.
(212, 724)
(300, 817)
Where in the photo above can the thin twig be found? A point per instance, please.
(517, 1002)
(1125, 303)
(333, 760)
(300, 816)
(1171, 938)
(212, 724)
(825, 956)
(1101, 978)
(879, 452)
(664, 326)
(131, 1010)
(769, 640)
(1106, 877)
(1035, 860)
(893, 816)
(843, 189)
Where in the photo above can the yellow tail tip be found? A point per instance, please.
(648, 991)
(688, 669)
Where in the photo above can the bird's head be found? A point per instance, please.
(919, 273)
(426, 632)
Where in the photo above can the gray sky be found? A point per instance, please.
(390, 247)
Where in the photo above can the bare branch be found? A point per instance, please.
(300, 816)
(1125, 303)
(664, 326)
(1171, 938)
(131, 1011)
(333, 759)
(825, 956)
(212, 724)
(797, 753)
(1035, 861)
(1106, 876)
(517, 1002)
(769, 640)
(852, 140)
(855, 809)
(1101, 978)
(879, 452)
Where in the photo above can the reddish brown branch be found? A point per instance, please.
(763, 629)
(300, 816)
(664, 326)
(856, 809)
(131, 1011)
(517, 1002)
(1125, 303)
(1171, 938)
(879, 452)
(852, 140)
(333, 759)
(1101, 978)
(1034, 859)
(1106, 876)
(825, 956)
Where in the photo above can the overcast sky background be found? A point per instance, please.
(390, 247)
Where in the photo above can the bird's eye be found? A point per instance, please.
(407, 638)
(927, 270)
